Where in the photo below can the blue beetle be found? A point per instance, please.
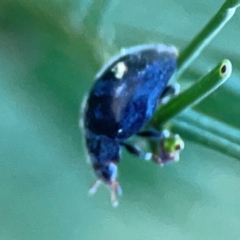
(122, 100)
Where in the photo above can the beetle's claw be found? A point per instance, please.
(170, 149)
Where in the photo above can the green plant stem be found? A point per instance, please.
(209, 132)
(203, 38)
(90, 24)
(209, 124)
(194, 94)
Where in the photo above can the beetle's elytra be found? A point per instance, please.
(121, 101)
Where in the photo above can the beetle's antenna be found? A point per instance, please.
(95, 187)
(115, 190)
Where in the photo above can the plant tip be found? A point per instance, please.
(223, 69)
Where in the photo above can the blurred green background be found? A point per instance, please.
(50, 52)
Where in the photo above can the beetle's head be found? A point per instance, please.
(104, 155)
(108, 174)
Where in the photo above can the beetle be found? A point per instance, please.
(121, 102)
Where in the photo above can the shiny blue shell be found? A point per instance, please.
(124, 97)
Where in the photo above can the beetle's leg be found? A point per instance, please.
(135, 150)
(154, 134)
(169, 92)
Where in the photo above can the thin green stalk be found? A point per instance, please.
(92, 21)
(209, 124)
(201, 89)
(207, 138)
(203, 38)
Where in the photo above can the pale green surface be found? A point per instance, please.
(44, 177)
